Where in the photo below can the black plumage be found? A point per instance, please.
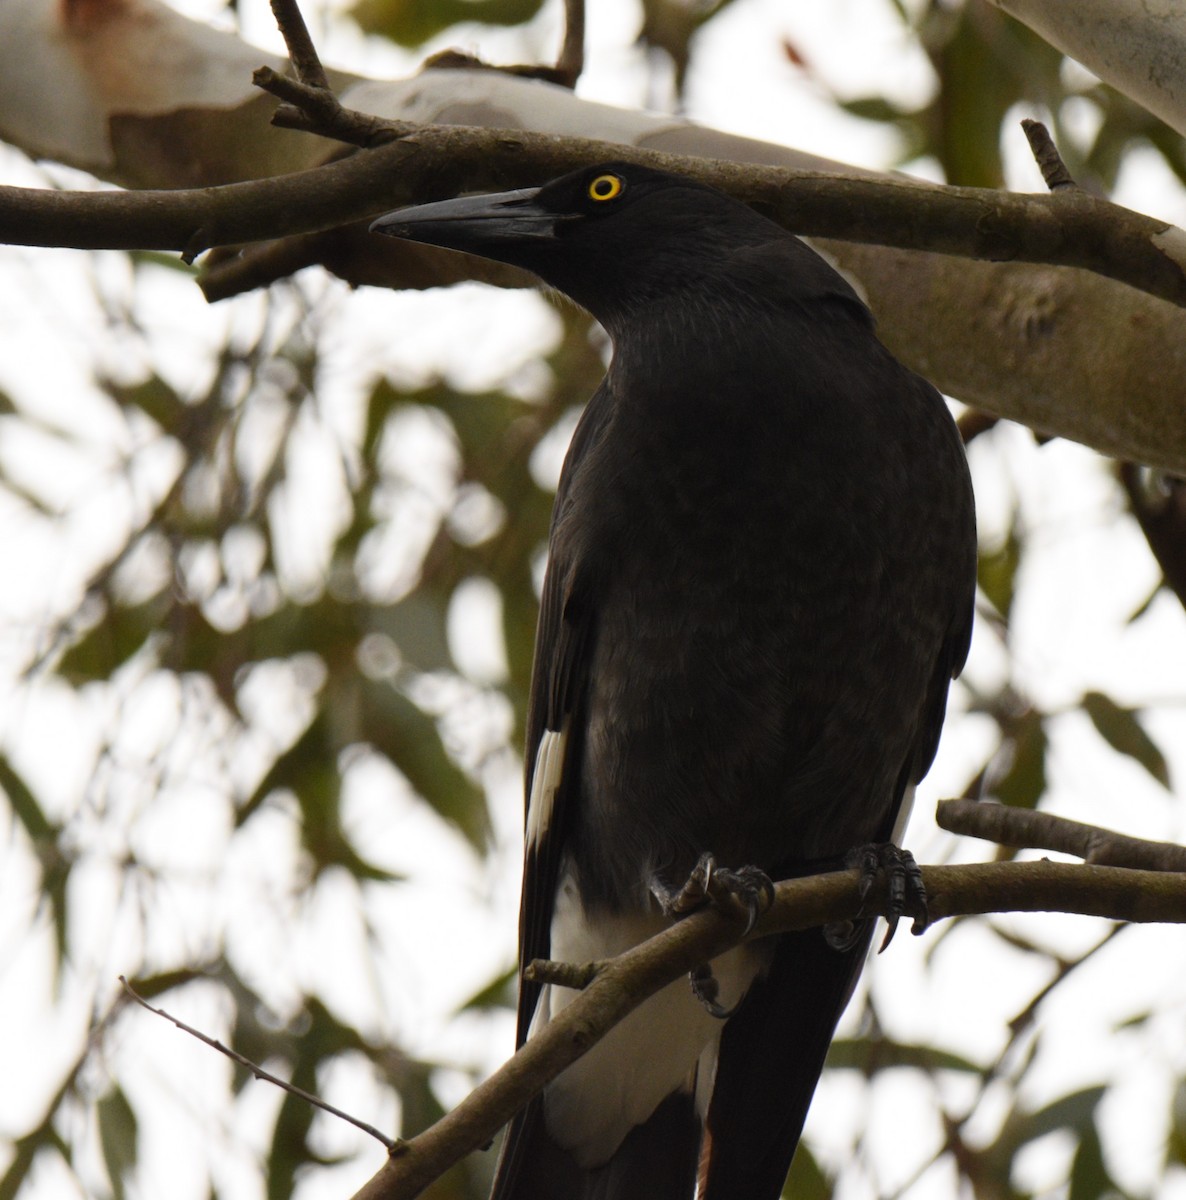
(760, 583)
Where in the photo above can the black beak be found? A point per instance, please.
(477, 224)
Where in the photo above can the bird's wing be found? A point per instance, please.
(948, 666)
(530, 1163)
(554, 728)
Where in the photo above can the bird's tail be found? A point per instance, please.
(656, 1161)
(772, 1052)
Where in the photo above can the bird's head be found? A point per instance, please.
(612, 236)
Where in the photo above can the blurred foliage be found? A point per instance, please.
(203, 593)
(199, 592)
(990, 71)
(413, 22)
(669, 27)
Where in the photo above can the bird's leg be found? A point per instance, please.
(746, 892)
(907, 893)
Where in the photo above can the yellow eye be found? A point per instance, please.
(605, 187)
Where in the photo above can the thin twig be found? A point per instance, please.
(314, 109)
(309, 103)
(394, 1145)
(300, 45)
(576, 976)
(1065, 967)
(1021, 827)
(1046, 155)
(1017, 1026)
(571, 62)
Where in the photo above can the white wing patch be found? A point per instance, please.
(549, 764)
(654, 1052)
(903, 817)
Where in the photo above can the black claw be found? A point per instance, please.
(706, 989)
(907, 895)
(695, 893)
(747, 889)
(843, 935)
(891, 927)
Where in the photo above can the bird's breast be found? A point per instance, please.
(755, 558)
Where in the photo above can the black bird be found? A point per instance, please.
(760, 582)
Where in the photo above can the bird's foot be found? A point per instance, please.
(745, 893)
(678, 902)
(907, 893)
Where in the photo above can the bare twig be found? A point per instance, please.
(309, 102)
(571, 62)
(1046, 155)
(1021, 827)
(394, 1145)
(315, 109)
(1022, 1020)
(577, 976)
(300, 45)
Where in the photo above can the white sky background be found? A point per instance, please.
(1087, 571)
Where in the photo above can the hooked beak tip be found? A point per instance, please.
(388, 224)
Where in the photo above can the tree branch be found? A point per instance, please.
(1068, 228)
(621, 984)
(1022, 827)
(314, 109)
